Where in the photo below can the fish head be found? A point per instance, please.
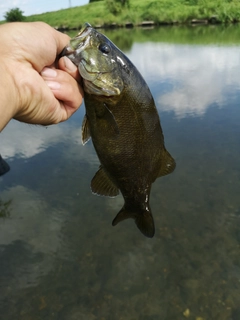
(99, 61)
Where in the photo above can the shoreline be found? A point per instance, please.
(148, 24)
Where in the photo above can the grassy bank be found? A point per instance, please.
(158, 11)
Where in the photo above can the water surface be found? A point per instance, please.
(61, 259)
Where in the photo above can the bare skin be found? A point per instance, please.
(34, 87)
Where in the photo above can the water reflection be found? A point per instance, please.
(189, 79)
(29, 231)
(15, 140)
(60, 258)
(184, 79)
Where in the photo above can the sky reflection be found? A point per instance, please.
(19, 139)
(32, 235)
(184, 79)
(192, 77)
(24, 141)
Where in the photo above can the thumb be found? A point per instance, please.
(66, 64)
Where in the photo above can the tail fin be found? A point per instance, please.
(143, 220)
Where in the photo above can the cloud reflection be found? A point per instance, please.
(19, 139)
(31, 231)
(195, 76)
(184, 79)
(25, 141)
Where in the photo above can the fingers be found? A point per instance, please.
(64, 84)
(66, 64)
(64, 88)
(61, 40)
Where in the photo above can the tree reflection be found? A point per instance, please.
(123, 39)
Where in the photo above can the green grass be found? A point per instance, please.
(159, 11)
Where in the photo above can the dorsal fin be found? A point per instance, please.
(168, 164)
(86, 135)
(102, 185)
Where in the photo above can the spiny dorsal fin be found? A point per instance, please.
(143, 220)
(102, 185)
(86, 135)
(168, 164)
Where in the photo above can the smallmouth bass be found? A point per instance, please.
(123, 122)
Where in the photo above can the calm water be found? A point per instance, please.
(61, 259)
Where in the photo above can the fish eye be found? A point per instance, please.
(104, 48)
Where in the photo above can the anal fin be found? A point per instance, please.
(168, 164)
(102, 185)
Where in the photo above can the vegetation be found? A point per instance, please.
(99, 12)
(13, 15)
(116, 6)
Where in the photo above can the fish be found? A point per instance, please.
(122, 121)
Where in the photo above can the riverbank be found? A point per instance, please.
(145, 13)
(144, 24)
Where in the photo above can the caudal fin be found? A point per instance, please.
(143, 220)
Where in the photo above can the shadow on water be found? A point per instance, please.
(61, 259)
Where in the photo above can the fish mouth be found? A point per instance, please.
(77, 44)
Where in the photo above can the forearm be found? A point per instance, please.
(8, 95)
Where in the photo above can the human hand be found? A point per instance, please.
(34, 88)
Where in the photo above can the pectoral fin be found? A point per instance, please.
(102, 185)
(109, 117)
(168, 164)
(86, 135)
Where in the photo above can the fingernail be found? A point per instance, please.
(53, 85)
(69, 65)
(49, 73)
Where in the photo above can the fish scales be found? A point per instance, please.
(123, 122)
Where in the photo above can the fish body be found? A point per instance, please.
(123, 122)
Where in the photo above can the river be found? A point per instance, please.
(60, 257)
